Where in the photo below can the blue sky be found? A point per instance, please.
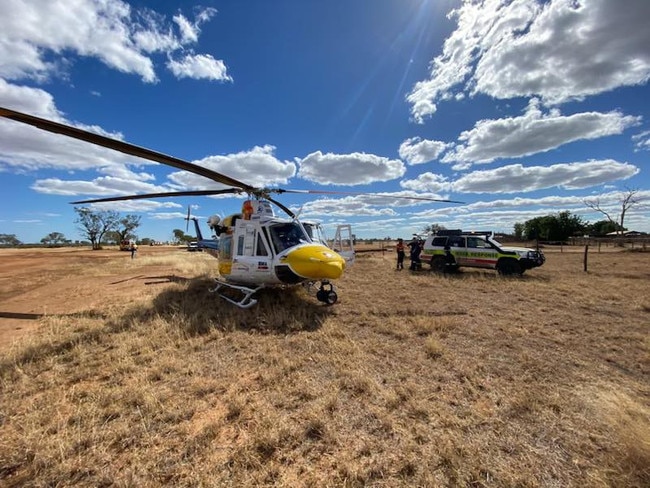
(517, 108)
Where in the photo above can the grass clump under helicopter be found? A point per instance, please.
(255, 248)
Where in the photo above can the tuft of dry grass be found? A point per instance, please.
(412, 379)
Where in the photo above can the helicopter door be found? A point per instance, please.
(252, 257)
(344, 242)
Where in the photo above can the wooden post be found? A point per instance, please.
(585, 258)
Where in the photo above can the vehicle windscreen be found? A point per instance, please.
(287, 235)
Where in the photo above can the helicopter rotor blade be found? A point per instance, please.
(187, 225)
(124, 147)
(283, 207)
(142, 196)
(331, 192)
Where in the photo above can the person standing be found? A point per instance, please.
(133, 249)
(400, 253)
(415, 247)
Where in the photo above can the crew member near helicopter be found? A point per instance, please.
(415, 246)
(399, 247)
(247, 209)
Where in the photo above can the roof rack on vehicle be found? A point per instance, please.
(458, 232)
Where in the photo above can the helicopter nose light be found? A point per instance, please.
(316, 262)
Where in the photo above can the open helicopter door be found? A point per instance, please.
(344, 242)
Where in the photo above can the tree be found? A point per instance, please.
(54, 239)
(519, 230)
(555, 227)
(9, 240)
(433, 228)
(93, 224)
(127, 226)
(180, 236)
(604, 227)
(627, 199)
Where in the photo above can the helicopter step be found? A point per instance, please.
(247, 299)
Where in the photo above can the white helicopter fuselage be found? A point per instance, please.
(260, 249)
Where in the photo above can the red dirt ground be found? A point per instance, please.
(39, 282)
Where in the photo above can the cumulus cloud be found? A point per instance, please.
(199, 66)
(349, 169)
(258, 167)
(111, 31)
(418, 151)
(518, 178)
(533, 132)
(428, 182)
(557, 50)
(102, 186)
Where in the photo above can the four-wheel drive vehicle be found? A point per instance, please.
(452, 249)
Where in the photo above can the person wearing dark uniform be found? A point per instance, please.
(415, 246)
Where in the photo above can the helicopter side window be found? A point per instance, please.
(287, 235)
(240, 246)
(261, 247)
(225, 247)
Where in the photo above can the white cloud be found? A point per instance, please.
(418, 151)
(558, 50)
(257, 167)
(200, 66)
(349, 169)
(102, 186)
(532, 133)
(642, 141)
(110, 31)
(518, 178)
(427, 182)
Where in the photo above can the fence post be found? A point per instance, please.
(584, 263)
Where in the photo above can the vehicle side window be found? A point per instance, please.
(475, 242)
(439, 241)
(457, 241)
(240, 246)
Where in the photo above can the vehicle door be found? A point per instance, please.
(458, 249)
(480, 254)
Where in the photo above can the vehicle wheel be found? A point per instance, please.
(438, 264)
(508, 267)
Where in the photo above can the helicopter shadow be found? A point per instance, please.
(196, 310)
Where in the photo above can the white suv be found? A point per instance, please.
(452, 249)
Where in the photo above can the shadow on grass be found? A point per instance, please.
(196, 311)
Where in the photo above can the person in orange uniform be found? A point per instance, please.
(400, 253)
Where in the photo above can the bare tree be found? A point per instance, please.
(627, 200)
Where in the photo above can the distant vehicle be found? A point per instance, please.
(453, 249)
(125, 245)
(193, 246)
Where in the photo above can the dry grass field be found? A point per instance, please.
(120, 372)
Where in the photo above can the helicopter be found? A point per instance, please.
(255, 248)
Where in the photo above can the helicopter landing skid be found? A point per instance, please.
(246, 300)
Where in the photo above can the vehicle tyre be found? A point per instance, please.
(438, 264)
(508, 267)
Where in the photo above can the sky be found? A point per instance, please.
(518, 109)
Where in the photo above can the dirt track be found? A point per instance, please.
(39, 282)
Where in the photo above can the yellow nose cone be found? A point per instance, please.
(316, 262)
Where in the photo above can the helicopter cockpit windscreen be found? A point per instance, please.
(287, 235)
